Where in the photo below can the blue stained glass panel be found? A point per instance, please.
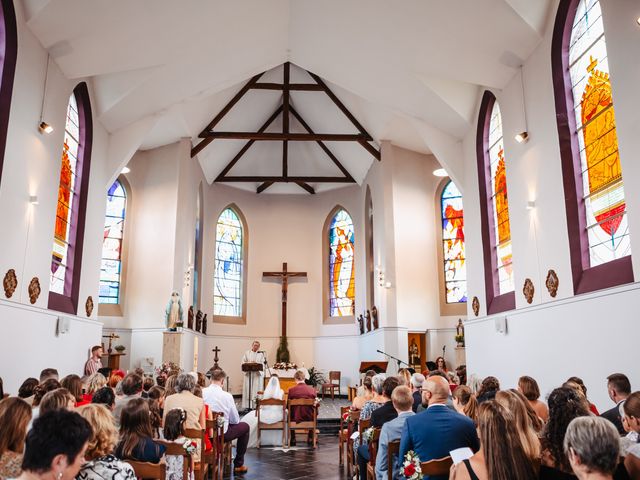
(111, 266)
(227, 296)
(455, 273)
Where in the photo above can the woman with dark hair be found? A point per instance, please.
(529, 388)
(73, 383)
(488, 389)
(441, 364)
(577, 382)
(27, 389)
(465, 402)
(564, 405)
(15, 414)
(106, 397)
(49, 385)
(136, 434)
(501, 455)
(360, 400)
(631, 423)
(55, 446)
(156, 402)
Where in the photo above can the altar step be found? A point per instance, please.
(329, 426)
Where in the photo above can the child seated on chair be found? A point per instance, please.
(174, 425)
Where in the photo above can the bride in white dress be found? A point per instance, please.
(269, 414)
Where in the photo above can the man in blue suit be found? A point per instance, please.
(438, 430)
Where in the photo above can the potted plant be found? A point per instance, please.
(315, 378)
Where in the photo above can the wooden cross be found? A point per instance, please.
(215, 356)
(284, 275)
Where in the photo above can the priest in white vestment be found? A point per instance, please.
(257, 378)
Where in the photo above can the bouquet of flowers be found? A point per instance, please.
(190, 446)
(411, 466)
(285, 366)
(166, 369)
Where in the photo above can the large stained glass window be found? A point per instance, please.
(455, 272)
(500, 202)
(229, 261)
(602, 186)
(342, 295)
(68, 190)
(111, 266)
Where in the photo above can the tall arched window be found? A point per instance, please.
(64, 283)
(342, 274)
(111, 265)
(8, 57)
(228, 296)
(368, 215)
(455, 271)
(494, 208)
(197, 252)
(592, 175)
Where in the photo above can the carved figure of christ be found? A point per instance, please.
(284, 276)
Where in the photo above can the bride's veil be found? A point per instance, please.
(273, 389)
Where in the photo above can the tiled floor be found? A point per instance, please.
(299, 463)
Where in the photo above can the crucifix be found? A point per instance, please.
(284, 275)
(215, 357)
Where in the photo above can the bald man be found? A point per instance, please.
(438, 430)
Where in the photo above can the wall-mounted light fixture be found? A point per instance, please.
(33, 199)
(531, 204)
(638, 20)
(523, 136)
(43, 126)
(440, 172)
(125, 170)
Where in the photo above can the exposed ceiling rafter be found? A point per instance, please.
(363, 138)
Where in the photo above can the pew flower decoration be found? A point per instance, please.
(190, 446)
(220, 420)
(411, 467)
(167, 368)
(367, 435)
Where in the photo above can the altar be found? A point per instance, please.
(284, 376)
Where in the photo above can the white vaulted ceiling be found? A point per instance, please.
(402, 68)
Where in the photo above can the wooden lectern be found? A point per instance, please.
(378, 367)
(250, 367)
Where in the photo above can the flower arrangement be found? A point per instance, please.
(167, 368)
(411, 468)
(367, 435)
(285, 366)
(220, 420)
(190, 446)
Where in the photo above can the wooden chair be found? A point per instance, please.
(272, 426)
(343, 433)
(200, 467)
(331, 386)
(354, 417)
(438, 466)
(213, 458)
(176, 449)
(393, 450)
(362, 426)
(221, 448)
(155, 471)
(307, 426)
(373, 453)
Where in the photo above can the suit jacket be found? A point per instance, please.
(417, 400)
(613, 416)
(435, 432)
(382, 415)
(390, 431)
(301, 414)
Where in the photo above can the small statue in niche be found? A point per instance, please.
(173, 312)
(88, 306)
(368, 317)
(414, 353)
(199, 320)
(475, 305)
(34, 290)
(361, 324)
(374, 315)
(460, 333)
(204, 324)
(10, 283)
(190, 317)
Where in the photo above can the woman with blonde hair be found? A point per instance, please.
(465, 402)
(94, 383)
(501, 455)
(517, 406)
(170, 386)
(59, 399)
(15, 415)
(101, 463)
(405, 377)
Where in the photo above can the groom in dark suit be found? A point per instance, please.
(438, 430)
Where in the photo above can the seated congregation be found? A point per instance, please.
(428, 426)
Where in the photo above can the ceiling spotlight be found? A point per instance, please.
(125, 170)
(440, 172)
(522, 137)
(45, 127)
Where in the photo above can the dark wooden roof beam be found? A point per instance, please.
(281, 179)
(300, 87)
(292, 137)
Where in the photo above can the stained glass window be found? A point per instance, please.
(111, 266)
(602, 186)
(197, 252)
(67, 202)
(500, 202)
(229, 261)
(342, 294)
(455, 272)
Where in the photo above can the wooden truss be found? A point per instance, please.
(208, 135)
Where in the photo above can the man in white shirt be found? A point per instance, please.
(220, 401)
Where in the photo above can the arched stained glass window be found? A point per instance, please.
(342, 295)
(229, 263)
(455, 272)
(197, 252)
(500, 202)
(111, 266)
(592, 173)
(66, 260)
(8, 57)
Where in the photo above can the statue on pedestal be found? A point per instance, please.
(361, 324)
(368, 317)
(199, 320)
(173, 312)
(374, 315)
(190, 318)
(460, 333)
(204, 324)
